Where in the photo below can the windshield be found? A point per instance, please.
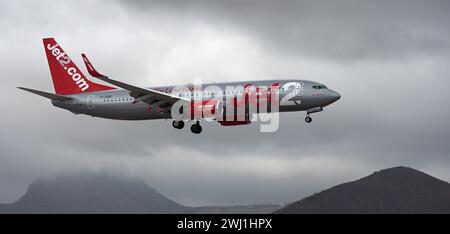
(319, 87)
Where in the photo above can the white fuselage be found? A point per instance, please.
(294, 95)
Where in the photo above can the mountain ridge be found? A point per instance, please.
(393, 190)
(104, 193)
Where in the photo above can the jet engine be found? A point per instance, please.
(206, 109)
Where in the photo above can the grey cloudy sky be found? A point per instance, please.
(389, 60)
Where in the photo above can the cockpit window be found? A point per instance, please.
(319, 87)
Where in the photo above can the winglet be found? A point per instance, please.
(91, 68)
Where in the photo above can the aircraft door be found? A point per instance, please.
(299, 89)
(90, 102)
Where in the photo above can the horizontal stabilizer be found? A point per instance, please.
(51, 96)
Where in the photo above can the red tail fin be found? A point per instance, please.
(67, 78)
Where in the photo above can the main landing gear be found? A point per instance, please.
(195, 128)
(178, 124)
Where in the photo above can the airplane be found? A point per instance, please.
(122, 101)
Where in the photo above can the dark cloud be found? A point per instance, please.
(337, 30)
(389, 60)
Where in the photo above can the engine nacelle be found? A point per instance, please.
(234, 123)
(206, 109)
(233, 120)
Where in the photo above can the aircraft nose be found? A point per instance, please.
(335, 96)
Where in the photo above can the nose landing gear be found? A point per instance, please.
(308, 119)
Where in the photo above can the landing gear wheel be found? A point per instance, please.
(308, 119)
(196, 128)
(178, 124)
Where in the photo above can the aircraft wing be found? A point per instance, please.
(145, 95)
